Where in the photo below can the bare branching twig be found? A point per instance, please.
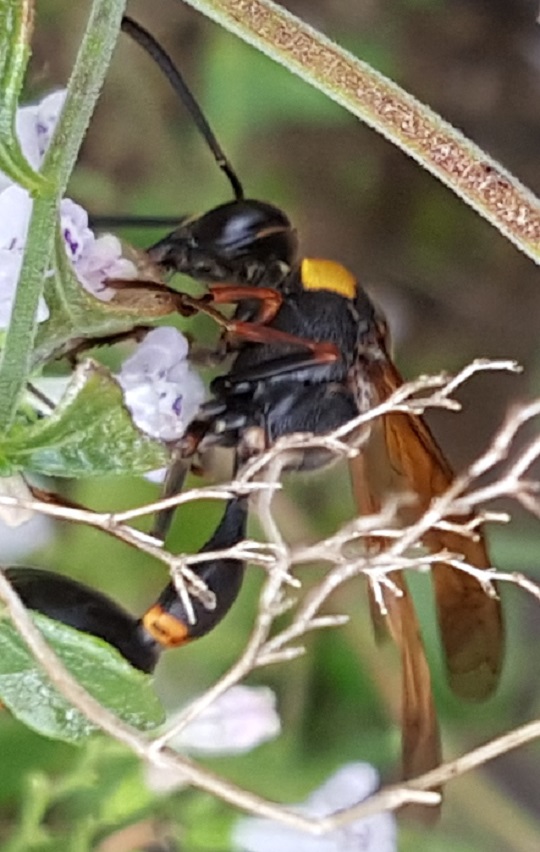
(346, 558)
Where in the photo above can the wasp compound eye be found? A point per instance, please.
(87, 610)
(245, 242)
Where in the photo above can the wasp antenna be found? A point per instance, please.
(126, 220)
(173, 75)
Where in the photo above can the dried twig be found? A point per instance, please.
(340, 551)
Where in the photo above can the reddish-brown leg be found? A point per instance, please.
(271, 300)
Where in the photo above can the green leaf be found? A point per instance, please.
(207, 824)
(15, 28)
(26, 690)
(127, 798)
(90, 433)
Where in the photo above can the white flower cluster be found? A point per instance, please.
(238, 721)
(161, 389)
(349, 786)
(94, 258)
(242, 719)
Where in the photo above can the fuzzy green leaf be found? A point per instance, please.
(15, 27)
(90, 433)
(26, 690)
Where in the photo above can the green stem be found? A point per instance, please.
(35, 802)
(439, 148)
(85, 84)
(84, 87)
(16, 21)
(19, 339)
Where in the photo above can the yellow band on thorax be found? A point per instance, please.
(329, 275)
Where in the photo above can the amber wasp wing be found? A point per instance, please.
(400, 456)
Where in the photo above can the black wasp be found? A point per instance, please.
(309, 353)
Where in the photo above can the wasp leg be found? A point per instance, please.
(268, 370)
(270, 300)
(256, 332)
(156, 299)
(321, 353)
(180, 465)
(174, 482)
(81, 345)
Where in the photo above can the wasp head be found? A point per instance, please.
(242, 242)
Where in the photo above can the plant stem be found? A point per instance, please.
(86, 81)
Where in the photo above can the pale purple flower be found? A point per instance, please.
(94, 259)
(21, 530)
(161, 389)
(236, 722)
(350, 785)
(17, 543)
(15, 487)
(34, 125)
(15, 210)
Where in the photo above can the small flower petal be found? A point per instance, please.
(47, 115)
(94, 258)
(161, 350)
(10, 267)
(14, 486)
(161, 389)
(347, 787)
(21, 530)
(102, 260)
(15, 211)
(74, 224)
(34, 125)
(18, 543)
(238, 721)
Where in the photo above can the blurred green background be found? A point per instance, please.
(453, 290)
